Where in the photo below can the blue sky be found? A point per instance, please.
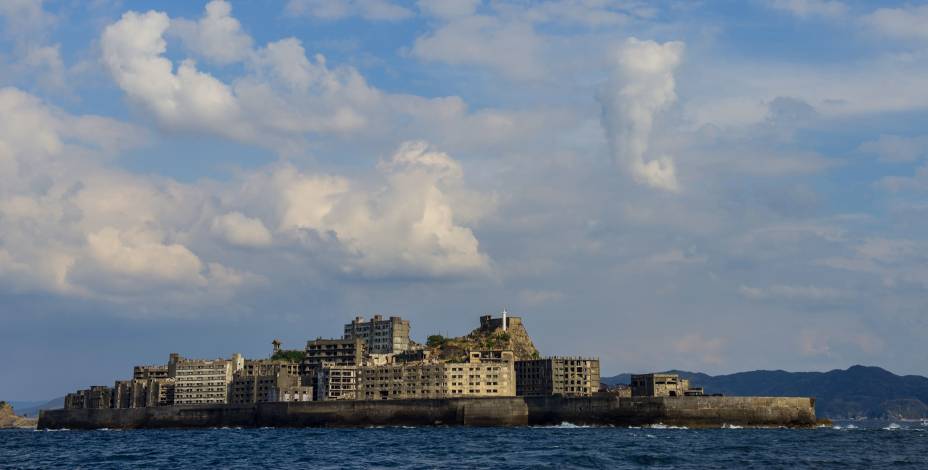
(715, 186)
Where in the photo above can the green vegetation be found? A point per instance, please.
(290, 355)
(435, 341)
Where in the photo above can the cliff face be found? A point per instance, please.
(486, 337)
(8, 419)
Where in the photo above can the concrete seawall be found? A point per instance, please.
(509, 411)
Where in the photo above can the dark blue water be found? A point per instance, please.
(867, 446)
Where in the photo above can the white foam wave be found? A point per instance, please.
(731, 426)
(664, 426)
(564, 425)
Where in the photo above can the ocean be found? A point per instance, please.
(868, 444)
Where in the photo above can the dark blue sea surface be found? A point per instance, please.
(846, 445)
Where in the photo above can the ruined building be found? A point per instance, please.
(380, 336)
(483, 374)
(566, 376)
(662, 385)
(200, 381)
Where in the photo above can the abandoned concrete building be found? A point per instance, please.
(336, 381)
(76, 399)
(504, 322)
(662, 385)
(201, 381)
(380, 336)
(271, 385)
(483, 374)
(97, 396)
(254, 367)
(344, 352)
(150, 372)
(566, 376)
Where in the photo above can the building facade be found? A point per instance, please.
(380, 336)
(484, 374)
(160, 392)
(99, 396)
(269, 367)
(566, 376)
(200, 381)
(277, 385)
(336, 381)
(76, 399)
(130, 393)
(150, 372)
(342, 352)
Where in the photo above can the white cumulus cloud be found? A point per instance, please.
(217, 37)
(643, 85)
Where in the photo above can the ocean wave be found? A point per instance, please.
(664, 426)
(731, 426)
(849, 427)
(564, 425)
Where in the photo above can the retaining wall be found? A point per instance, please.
(507, 411)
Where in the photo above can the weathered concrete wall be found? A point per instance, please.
(467, 412)
(509, 411)
(678, 411)
(188, 416)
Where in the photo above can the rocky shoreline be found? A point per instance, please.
(9, 420)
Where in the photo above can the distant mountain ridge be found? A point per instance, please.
(857, 392)
(33, 411)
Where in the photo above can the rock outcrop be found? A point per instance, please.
(8, 418)
(489, 336)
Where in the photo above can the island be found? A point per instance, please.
(375, 375)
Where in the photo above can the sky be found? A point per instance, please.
(713, 186)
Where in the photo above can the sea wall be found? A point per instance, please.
(703, 411)
(195, 416)
(510, 411)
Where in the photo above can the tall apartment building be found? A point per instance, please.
(484, 374)
(567, 376)
(199, 381)
(380, 336)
